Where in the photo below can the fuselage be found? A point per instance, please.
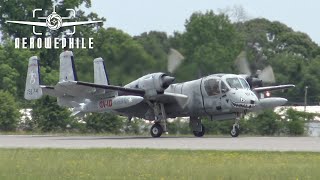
(219, 96)
(215, 95)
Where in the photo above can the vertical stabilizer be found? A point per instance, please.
(100, 72)
(33, 89)
(67, 67)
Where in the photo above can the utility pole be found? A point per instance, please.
(305, 97)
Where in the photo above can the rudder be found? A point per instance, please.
(67, 67)
(100, 72)
(33, 89)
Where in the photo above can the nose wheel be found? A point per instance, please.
(235, 131)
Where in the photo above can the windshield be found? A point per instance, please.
(244, 83)
(234, 83)
(224, 87)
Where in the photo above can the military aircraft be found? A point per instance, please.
(154, 96)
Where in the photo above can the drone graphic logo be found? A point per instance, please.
(53, 21)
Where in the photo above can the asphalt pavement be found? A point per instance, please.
(165, 142)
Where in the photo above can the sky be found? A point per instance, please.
(137, 16)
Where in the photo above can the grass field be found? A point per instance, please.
(155, 164)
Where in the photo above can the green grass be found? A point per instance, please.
(155, 164)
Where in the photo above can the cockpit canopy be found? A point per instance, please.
(215, 85)
(237, 83)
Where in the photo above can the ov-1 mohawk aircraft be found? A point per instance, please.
(154, 97)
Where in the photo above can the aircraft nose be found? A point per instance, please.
(244, 100)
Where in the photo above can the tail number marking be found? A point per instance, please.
(105, 103)
(32, 91)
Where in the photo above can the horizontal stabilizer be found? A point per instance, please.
(49, 90)
(89, 90)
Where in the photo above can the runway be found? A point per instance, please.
(165, 142)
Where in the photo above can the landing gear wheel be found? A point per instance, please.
(199, 133)
(156, 130)
(235, 131)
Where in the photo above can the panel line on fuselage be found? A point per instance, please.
(203, 106)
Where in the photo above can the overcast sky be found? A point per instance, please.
(137, 16)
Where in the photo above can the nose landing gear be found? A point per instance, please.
(235, 131)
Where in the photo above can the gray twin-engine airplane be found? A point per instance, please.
(154, 97)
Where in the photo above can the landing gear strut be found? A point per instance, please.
(235, 131)
(197, 127)
(160, 124)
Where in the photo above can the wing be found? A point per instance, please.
(43, 24)
(91, 90)
(272, 88)
(171, 98)
(65, 24)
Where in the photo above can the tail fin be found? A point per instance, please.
(33, 89)
(100, 72)
(67, 68)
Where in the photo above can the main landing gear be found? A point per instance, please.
(156, 130)
(160, 124)
(197, 127)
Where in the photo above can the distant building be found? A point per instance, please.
(313, 127)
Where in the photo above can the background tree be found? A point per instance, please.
(49, 117)
(9, 112)
(266, 123)
(295, 121)
(210, 45)
(104, 122)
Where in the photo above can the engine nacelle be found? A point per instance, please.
(153, 84)
(253, 81)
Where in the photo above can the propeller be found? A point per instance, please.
(242, 64)
(175, 58)
(266, 75)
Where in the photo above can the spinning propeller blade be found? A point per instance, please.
(267, 75)
(242, 64)
(174, 60)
